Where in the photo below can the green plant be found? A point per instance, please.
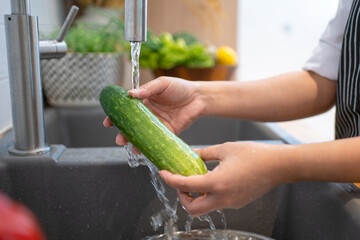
(101, 3)
(167, 51)
(84, 38)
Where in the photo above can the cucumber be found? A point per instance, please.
(148, 134)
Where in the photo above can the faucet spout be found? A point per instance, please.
(23, 52)
(25, 81)
(20, 7)
(135, 20)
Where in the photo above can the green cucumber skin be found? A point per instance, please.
(147, 133)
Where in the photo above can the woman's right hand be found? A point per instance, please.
(176, 102)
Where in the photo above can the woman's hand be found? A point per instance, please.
(176, 102)
(246, 172)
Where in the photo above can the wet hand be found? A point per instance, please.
(120, 139)
(174, 101)
(246, 172)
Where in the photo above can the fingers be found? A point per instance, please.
(197, 183)
(135, 151)
(107, 122)
(121, 140)
(149, 89)
(210, 153)
(141, 94)
(198, 206)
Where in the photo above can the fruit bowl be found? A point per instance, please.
(216, 73)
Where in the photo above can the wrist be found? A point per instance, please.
(204, 97)
(214, 97)
(223, 99)
(287, 163)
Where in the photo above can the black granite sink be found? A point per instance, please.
(82, 127)
(84, 188)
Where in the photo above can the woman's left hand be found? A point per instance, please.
(246, 171)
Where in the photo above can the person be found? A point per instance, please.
(248, 170)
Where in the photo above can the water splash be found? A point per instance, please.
(169, 214)
(188, 223)
(167, 217)
(207, 218)
(134, 160)
(222, 218)
(208, 234)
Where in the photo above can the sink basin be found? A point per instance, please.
(84, 188)
(82, 127)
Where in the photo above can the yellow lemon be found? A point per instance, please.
(226, 55)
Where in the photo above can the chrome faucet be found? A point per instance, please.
(135, 20)
(24, 51)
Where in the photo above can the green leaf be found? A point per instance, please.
(97, 38)
(167, 51)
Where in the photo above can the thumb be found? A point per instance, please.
(149, 89)
(210, 153)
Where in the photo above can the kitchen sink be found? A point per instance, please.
(84, 188)
(82, 127)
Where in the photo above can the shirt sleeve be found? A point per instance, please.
(326, 56)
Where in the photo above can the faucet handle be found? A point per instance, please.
(57, 48)
(67, 24)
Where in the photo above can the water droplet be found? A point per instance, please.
(207, 218)
(157, 221)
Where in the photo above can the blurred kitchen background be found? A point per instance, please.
(270, 37)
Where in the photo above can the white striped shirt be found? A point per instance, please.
(326, 56)
(337, 57)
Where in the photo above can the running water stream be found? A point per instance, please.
(135, 74)
(167, 217)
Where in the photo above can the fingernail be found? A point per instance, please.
(107, 125)
(132, 91)
(197, 150)
(163, 174)
(135, 91)
(135, 151)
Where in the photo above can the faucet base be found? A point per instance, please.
(32, 152)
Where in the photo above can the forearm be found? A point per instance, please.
(335, 161)
(285, 97)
